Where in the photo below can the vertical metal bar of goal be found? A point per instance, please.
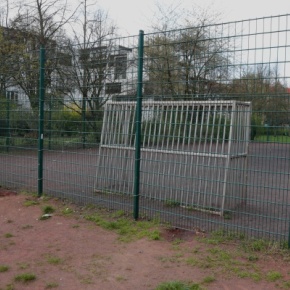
(138, 121)
(40, 120)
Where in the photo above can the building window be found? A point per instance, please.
(113, 88)
(120, 67)
(12, 96)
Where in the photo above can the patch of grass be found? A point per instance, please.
(8, 235)
(170, 259)
(9, 287)
(273, 276)
(253, 258)
(258, 245)
(127, 228)
(154, 235)
(67, 211)
(177, 242)
(54, 260)
(25, 277)
(171, 203)
(208, 279)
(118, 213)
(222, 236)
(120, 278)
(48, 209)
(271, 138)
(30, 203)
(51, 285)
(286, 285)
(178, 285)
(4, 268)
(249, 274)
(192, 261)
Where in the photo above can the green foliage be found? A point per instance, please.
(258, 245)
(51, 285)
(273, 276)
(171, 203)
(67, 211)
(65, 122)
(25, 277)
(4, 268)
(208, 279)
(127, 228)
(48, 209)
(178, 285)
(53, 260)
(30, 202)
(8, 235)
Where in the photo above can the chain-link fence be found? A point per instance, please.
(190, 126)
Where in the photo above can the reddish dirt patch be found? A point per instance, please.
(69, 252)
(6, 192)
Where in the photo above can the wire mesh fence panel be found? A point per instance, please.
(214, 135)
(244, 61)
(18, 116)
(75, 118)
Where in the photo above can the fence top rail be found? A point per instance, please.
(180, 103)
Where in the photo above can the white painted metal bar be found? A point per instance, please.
(188, 150)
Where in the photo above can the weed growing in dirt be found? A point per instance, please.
(4, 268)
(53, 260)
(178, 285)
(127, 228)
(273, 276)
(9, 287)
(51, 285)
(30, 203)
(48, 209)
(121, 278)
(208, 279)
(25, 277)
(8, 235)
(286, 284)
(67, 211)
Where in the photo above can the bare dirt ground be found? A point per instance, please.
(71, 252)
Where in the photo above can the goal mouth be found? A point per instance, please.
(194, 152)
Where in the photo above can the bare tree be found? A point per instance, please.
(93, 53)
(262, 86)
(38, 23)
(188, 61)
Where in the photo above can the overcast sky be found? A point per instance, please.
(133, 15)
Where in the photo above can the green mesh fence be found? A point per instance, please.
(207, 144)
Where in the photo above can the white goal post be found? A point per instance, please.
(193, 153)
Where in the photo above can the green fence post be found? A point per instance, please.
(49, 122)
(40, 120)
(289, 235)
(138, 124)
(84, 104)
(7, 124)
